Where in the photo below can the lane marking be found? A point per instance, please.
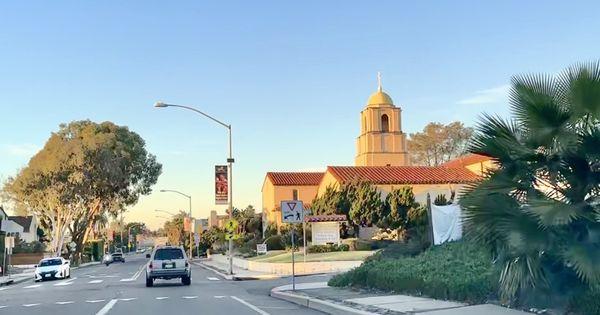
(96, 281)
(135, 275)
(2, 289)
(219, 296)
(254, 308)
(189, 297)
(95, 301)
(161, 297)
(65, 282)
(212, 278)
(65, 302)
(32, 286)
(30, 305)
(127, 299)
(3, 306)
(107, 307)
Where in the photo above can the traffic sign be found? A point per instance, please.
(231, 225)
(261, 248)
(292, 211)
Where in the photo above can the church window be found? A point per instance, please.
(385, 124)
(295, 194)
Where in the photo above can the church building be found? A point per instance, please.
(382, 158)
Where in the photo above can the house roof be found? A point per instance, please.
(295, 178)
(403, 174)
(24, 221)
(326, 218)
(467, 159)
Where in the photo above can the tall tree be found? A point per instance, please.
(538, 211)
(367, 207)
(84, 171)
(439, 143)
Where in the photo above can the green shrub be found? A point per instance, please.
(275, 242)
(587, 302)
(328, 248)
(458, 271)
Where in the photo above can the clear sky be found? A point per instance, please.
(291, 77)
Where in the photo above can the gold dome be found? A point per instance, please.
(380, 98)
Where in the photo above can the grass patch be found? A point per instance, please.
(458, 271)
(286, 257)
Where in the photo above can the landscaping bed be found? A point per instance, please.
(286, 257)
(458, 271)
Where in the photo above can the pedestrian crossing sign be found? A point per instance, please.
(292, 211)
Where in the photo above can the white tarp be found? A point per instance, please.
(447, 223)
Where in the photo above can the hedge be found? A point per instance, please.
(458, 271)
(328, 248)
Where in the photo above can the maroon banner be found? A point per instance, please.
(221, 185)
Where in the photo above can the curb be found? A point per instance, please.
(234, 277)
(317, 304)
(15, 281)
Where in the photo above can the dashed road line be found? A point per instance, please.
(65, 302)
(254, 308)
(127, 299)
(66, 282)
(33, 286)
(213, 278)
(94, 301)
(189, 297)
(3, 306)
(161, 297)
(219, 296)
(96, 281)
(107, 307)
(30, 305)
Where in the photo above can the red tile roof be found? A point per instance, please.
(295, 178)
(403, 174)
(326, 218)
(467, 159)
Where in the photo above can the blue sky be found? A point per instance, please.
(291, 77)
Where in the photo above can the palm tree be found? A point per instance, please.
(539, 211)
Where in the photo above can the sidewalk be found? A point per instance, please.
(238, 273)
(319, 296)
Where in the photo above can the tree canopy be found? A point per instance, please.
(84, 171)
(439, 143)
(538, 211)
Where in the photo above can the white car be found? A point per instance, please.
(52, 268)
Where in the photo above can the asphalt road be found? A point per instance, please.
(120, 289)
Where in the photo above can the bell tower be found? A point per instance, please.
(381, 141)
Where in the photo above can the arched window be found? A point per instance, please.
(385, 124)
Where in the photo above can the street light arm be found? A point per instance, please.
(167, 212)
(160, 104)
(177, 192)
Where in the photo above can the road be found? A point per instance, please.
(120, 289)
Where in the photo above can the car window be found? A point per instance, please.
(50, 262)
(168, 253)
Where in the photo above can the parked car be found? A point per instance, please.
(168, 262)
(52, 268)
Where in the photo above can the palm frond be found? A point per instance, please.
(579, 86)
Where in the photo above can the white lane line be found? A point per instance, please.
(189, 297)
(96, 281)
(212, 278)
(135, 276)
(65, 302)
(3, 306)
(30, 305)
(32, 286)
(107, 307)
(161, 297)
(254, 308)
(219, 296)
(94, 301)
(127, 299)
(2, 289)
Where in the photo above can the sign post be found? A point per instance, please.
(292, 211)
(9, 243)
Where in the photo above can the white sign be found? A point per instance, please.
(9, 243)
(325, 232)
(292, 211)
(261, 248)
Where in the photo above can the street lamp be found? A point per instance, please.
(167, 212)
(189, 215)
(129, 234)
(230, 161)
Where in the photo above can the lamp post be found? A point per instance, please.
(230, 161)
(189, 215)
(129, 234)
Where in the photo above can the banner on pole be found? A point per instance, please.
(221, 185)
(187, 224)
